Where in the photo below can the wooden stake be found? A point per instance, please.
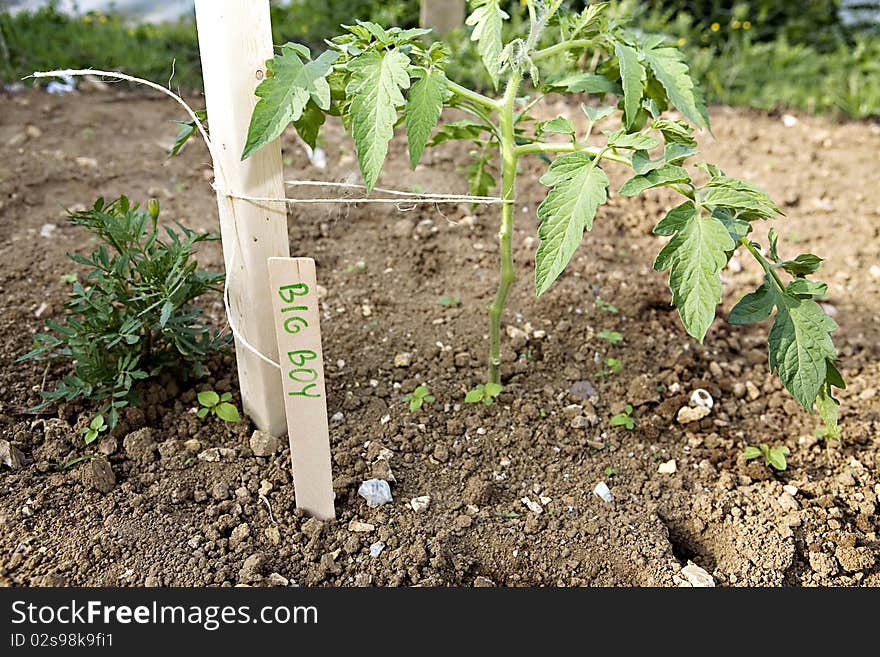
(235, 40)
(298, 328)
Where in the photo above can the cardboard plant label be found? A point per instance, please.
(297, 327)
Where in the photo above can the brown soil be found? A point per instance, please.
(174, 519)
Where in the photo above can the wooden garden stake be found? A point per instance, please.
(297, 325)
(235, 40)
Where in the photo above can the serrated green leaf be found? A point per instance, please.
(634, 140)
(487, 19)
(480, 180)
(802, 287)
(670, 70)
(208, 398)
(165, 313)
(754, 307)
(675, 132)
(632, 78)
(375, 91)
(747, 199)
(463, 129)
(695, 257)
(579, 187)
(560, 125)
(596, 114)
(801, 346)
(587, 83)
(285, 92)
(675, 219)
(424, 104)
(828, 407)
(804, 264)
(227, 412)
(668, 174)
(308, 125)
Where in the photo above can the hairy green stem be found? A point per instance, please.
(766, 266)
(509, 159)
(473, 96)
(557, 48)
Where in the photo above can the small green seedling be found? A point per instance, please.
(96, 427)
(610, 471)
(774, 457)
(610, 336)
(68, 279)
(355, 268)
(607, 307)
(614, 365)
(450, 301)
(624, 419)
(421, 395)
(218, 405)
(63, 466)
(485, 393)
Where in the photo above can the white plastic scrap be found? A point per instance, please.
(604, 492)
(376, 492)
(66, 86)
(376, 549)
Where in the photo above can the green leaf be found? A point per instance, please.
(492, 389)
(695, 257)
(480, 180)
(487, 19)
(227, 412)
(561, 125)
(634, 140)
(740, 195)
(632, 77)
(284, 93)
(671, 71)
(776, 458)
(463, 129)
(424, 104)
(415, 404)
(309, 124)
(208, 398)
(802, 287)
(801, 346)
(474, 396)
(203, 412)
(375, 92)
(675, 132)
(668, 174)
(610, 336)
(754, 307)
(165, 314)
(596, 114)
(804, 264)
(90, 436)
(828, 406)
(751, 453)
(586, 83)
(187, 130)
(579, 187)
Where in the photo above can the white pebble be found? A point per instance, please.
(791, 490)
(376, 549)
(420, 503)
(376, 492)
(701, 397)
(789, 121)
(339, 416)
(697, 577)
(688, 414)
(533, 506)
(668, 468)
(603, 491)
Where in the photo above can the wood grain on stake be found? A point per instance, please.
(297, 326)
(235, 40)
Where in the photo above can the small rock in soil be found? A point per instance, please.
(403, 228)
(853, 559)
(376, 492)
(192, 445)
(239, 535)
(337, 417)
(752, 391)
(583, 390)
(140, 446)
(108, 445)
(668, 468)
(264, 444)
(98, 475)
(696, 577)
(273, 535)
(420, 503)
(518, 337)
(701, 398)
(602, 490)
(381, 469)
(823, 564)
(481, 581)
(642, 391)
(250, 569)
(688, 414)
(10, 455)
(277, 579)
(582, 421)
(220, 490)
(532, 506)
(358, 526)
(403, 360)
(215, 454)
(376, 549)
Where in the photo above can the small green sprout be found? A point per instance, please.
(774, 457)
(63, 466)
(614, 365)
(68, 279)
(358, 266)
(96, 427)
(450, 300)
(485, 393)
(218, 405)
(607, 307)
(421, 395)
(610, 336)
(624, 419)
(610, 471)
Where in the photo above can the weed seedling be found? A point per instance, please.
(613, 337)
(610, 471)
(421, 395)
(614, 365)
(377, 78)
(607, 307)
(68, 279)
(774, 457)
(96, 427)
(63, 466)
(450, 301)
(624, 419)
(218, 405)
(485, 393)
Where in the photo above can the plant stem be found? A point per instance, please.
(560, 47)
(505, 232)
(766, 266)
(472, 96)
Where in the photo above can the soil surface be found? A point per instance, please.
(174, 500)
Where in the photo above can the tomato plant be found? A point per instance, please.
(374, 78)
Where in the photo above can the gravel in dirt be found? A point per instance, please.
(171, 500)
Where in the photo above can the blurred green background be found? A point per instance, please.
(820, 56)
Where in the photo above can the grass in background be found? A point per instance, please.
(748, 53)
